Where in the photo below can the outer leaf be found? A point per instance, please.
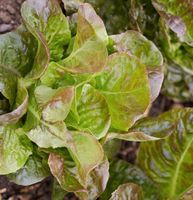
(128, 191)
(177, 51)
(122, 172)
(42, 56)
(15, 149)
(17, 50)
(174, 14)
(46, 16)
(20, 106)
(124, 85)
(97, 181)
(92, 111)
(178, 83)
(168, 161)
(8, 84)
(34, 170)
(63, 169)
(65, 172)
(90, 42)
(137, 45)
(132, 136)
(86, 158)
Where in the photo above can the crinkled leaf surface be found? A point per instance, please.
(168, 162)
(175, 50)
(178, 16)
(124, 84)
(44, 134)
(90, 42)
(56, 77)
(57, 103)
(35, 170)
(127, 191)
(178, 84)
(42, 56)
(20, 103)
(122, 172)
(17, 50)
(85, 157)
(15, 149)
(46, 16)
(65, 171)
(8, 84)
(131, 136)
(136, 44)
(93, 114)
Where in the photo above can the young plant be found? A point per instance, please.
(67, 89)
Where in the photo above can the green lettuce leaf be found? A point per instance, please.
(174, 49)
(46, 16)
(136, 44)
(178, 17)
(65, 171)
(90, 42)
(15, 149)
(124, 84)
(19, 107)
(92, 113)
(17, 50)
(56, 103)
(35, 170)
(45, 133)
(168, 162)
(178, 84)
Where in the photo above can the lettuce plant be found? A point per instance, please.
(166, 23)
(68, 90)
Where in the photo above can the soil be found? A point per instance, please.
(9, 20)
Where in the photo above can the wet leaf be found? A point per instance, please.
(124, 84)
(168, 162)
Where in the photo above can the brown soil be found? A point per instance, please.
(9, 14)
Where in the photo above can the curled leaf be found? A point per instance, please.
(65, 171)
(124, 85)
(34, 171)
(127, 191)
(136, 44)
(17, 50)
(174, 15)
(90, 42)
(85, 158)
(19, 108)
(46, 16)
